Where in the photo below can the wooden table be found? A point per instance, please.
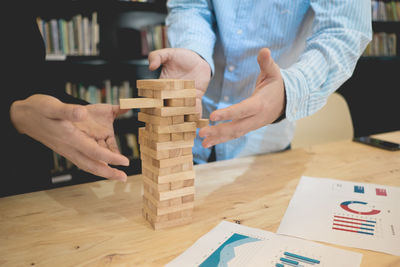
(100, 223)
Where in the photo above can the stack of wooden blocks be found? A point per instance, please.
(168, 109)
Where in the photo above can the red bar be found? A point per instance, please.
(362, 220)
(347, 222)
(381, 192)
(338, 224)
(348, 230)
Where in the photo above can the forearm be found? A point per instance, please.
(340, 34)
(192, 26)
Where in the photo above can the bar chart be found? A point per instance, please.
(346, 213)
(293, 259)
(235, 245)
(353, 225)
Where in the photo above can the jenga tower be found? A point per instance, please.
(168, 109)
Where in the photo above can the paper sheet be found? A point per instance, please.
(231, 245)
(352, 214)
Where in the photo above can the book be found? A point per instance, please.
(55, 39)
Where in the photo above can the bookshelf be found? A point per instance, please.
(102, 67)
(371, 92)
(385, 16)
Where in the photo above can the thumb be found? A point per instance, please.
(265, 61)
(117, 111)
(159, 57)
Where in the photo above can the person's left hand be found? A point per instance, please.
(98, 124)
(263, 107)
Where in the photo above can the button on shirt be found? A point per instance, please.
(316, 44)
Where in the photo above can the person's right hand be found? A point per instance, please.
(180, 63)
(82, 134)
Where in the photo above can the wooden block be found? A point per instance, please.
(175, 193)
(174, 215)
(188, 199)
(165, 203)
(164, 187)
(187, 166)
(153, 206)
(187, 136)
(175, 128)
(160, 154)
(187, 151)
(187, 183)
(127, 103)
(190, 102)
(155, 119)
(164, 163)
(176, 136)
(156, 186)
(147, 163)
(175, 201)
(192, 117)
(172, 111)
(146, 93)
(176, 185)
(168, 94)
(169, 223)
(165, 153)
(175, 102)
(177, 119)
(163, 191)
(202, 123)
(173, 153)
(145, 138)
(152, 217)
(154, 136)
(180, 176)
(165, 84)
(149, 111)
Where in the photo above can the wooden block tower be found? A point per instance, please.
(168, 109)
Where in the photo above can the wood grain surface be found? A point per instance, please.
(101, 223)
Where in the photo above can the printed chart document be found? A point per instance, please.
(351, 214)
(230, 245)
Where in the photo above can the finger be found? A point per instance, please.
(98, 168)
(246, 108)
(102, 143)
(55, 109)
(112, 145)
(265, 60)
(224, 132)
(268, 67)
(117, 111)
(158, 57)
(93, 150)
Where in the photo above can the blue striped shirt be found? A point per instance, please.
(316, 44)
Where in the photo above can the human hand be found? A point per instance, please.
(82, 134)
(180, 63)
(263, 107)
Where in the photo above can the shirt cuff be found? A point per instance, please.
(297, 94)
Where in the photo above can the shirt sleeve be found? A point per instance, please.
(341, 31)
(191, 25)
